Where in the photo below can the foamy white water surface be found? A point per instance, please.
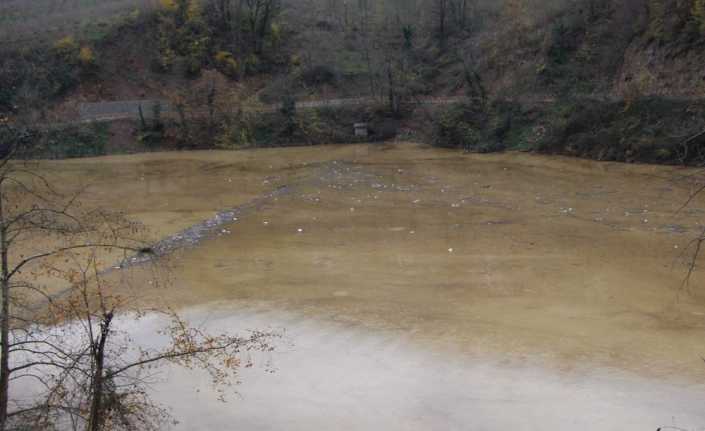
(332, 377)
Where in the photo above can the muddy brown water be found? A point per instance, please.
(511, 272)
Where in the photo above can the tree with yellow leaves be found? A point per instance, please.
(169, 5)
(698, 14)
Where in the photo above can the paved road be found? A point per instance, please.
(128, 109)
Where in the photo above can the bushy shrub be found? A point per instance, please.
(151, 134)
(87, 61)
(64, 65)
(166, 57)
(169, 5)
(251, 64)
(288, 111)
(31, 76)
(453, 130)
(7, 98)
(473, 128)
(318, 75)
(183, 33)
(275, 34)
(70, 142)
(698, 15)
(651, 130)
(66, 48)
(227, 64)
(671, 21)
(232, 135)
(69, 61)
(11, 77)
(560, 44)
(86, 57)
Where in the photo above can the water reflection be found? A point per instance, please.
(335, 377)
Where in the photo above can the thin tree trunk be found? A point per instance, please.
(95, 420)
(4, 323)
(391, 95)
(442, 6)
(264, 22)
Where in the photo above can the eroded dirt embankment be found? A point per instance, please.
(552, 260)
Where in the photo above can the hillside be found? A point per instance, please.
(607, 79)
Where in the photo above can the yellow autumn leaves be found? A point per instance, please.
(71, 52)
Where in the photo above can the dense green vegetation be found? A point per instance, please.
(650, 129)
(72, 141)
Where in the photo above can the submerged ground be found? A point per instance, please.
(473, 275)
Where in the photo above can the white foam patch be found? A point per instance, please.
(329, 377)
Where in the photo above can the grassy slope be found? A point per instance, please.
(621, 50)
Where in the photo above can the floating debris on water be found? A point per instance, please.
(673, 228)
(195, 234)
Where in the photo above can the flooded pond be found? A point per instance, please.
(424, 288)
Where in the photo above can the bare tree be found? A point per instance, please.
(460, 12)
(260, 14)
(96, 381)
(225, 14)
(474, 87)
(38, 226)
(59, 310)
(441, 10)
